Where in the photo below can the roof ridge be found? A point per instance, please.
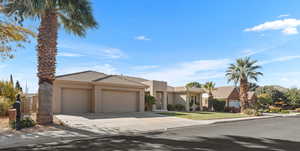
(68, 74)
(131, 80)
(107, 76)
(118, 76)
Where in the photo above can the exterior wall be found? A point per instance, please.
(233, 98)
(96, 94)
(98, 99)
(170, 98)
(180, 98)
(57, 92)
(158, 89)
(234, 95)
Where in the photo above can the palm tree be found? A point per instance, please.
(194, 85)
(12, 36)
(74, 15)
(210, 87)
(240, 73)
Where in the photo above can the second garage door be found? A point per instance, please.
(75, 100)
(119, 101)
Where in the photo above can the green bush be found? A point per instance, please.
(25, 123)
(4, 106)
(149, 101)
(176, 107)
(219, 105)
(171, 107)
(285, 111)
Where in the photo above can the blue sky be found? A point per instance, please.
(177, 41)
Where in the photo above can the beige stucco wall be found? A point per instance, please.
(179, 98)
(171, 98)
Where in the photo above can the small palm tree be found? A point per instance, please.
(74, 16)
(210, 87)
(240, 73)
(193, 85)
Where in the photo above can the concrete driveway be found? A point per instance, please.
(124, 123)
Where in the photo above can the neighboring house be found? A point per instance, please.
(230, 94)
(96, 92)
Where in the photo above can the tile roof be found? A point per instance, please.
(223, 92)
(93, 76)
(118, 79)
(85, 76)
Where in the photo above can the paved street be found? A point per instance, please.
(275, 134)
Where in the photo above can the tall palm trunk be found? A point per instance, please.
(47, 41)
(244, 94)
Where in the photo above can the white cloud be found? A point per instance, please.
(142, 38)
(68, 54)
(283, 15)
(105, 68)
(145, 67)
(286, 79)
(290, 31)
(113, 53)
(92, 50)
(279, 59)
(287, 26)
(251, 52)
(181, 73)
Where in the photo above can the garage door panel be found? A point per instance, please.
(75, 100)
(119, 101)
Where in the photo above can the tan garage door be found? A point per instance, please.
(119, 101)
(75, 100)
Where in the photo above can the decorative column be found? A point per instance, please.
(200, 102)
(187, 103)
(165, 100)
(142, 101)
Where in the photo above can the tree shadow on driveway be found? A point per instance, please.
(123, 143)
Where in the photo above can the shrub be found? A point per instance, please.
(176, 107)
(171, 107)
(149, 101)
(179, 107)
(274, 109)
(232, 109)
(25, 123)
(204, 108)
(252, 112)
(285, 111)
(4, 106)
(219, 105)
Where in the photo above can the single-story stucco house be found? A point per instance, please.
(95, 92)
(230, 94)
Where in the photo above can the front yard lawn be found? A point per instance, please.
(204, 115)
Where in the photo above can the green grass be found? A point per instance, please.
(204, 115)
